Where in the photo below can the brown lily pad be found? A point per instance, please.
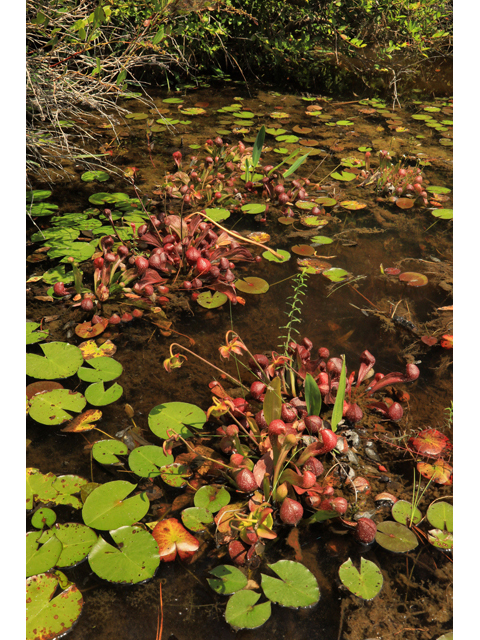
(303, 131)
(89, 330)
(83, 422)
(392, 271)
(303, 250)
(404, 203)
(286, 221)
(252, 284)
(308, 142)
(413, 279)
(40, 386)
(314, 263)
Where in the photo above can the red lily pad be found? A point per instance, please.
(252, 285)
(173, 538)
(430, 442)
(40, 386)
(440, 471)
(303, 250)
(405, 203)
(429, 340)
(392, 271)
(89, 330)
(308, 142)
(413, 279)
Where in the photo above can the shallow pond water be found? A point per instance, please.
(346, 319)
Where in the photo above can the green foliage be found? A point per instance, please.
(295, 303)
(366, 583)
(337, 412)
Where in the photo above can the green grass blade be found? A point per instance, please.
(338, 406)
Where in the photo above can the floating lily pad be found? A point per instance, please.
(286, 221)
(440, 516)
(438, 471)
(173, 101)
(211, 497)
(254, 208)
(227, 580)
(446, 142)
(103, 369)
(252, 284)
(335, 274)
(435, 189)
(352, 162)
(84, 422)
(107, 507)
(42, 209)
(305, 205)
(242, 612)
(172, 537)
(97, 395)
(133, 560)
(432, 109)
(259, 236)
(344, 123)
(137, 116)
(297, 586)
(366, 583)
(196, 518)
(209, 301)
(44, 517)
(313, 221)
(280, 115)
(102, 198)
(38, 195)
(77, 541)
(32, 335)
(106, 451)
(303, 131)
(146, 461)
(193, 111)
(99, 176)
(430, 443)
(282, 150)
(247, 115)
(41, 557)
(79, 251)
(326, 202)
(49, 617)
(321, 240)
(441, 539)
(287, 139)
(421, 116)
(353, 205)
(444, 214)
(217, 214)
(345, 176)
(303, 250)
(405, 203)
(60, 360)
(395, 537)
(405, 513)
(39, 487)
(175, 474)
(52, 407)
(175, 417)
(308, 142)
(91, 350)
(413, 279)
(271, 258)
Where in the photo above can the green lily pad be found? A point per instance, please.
(99, 176)
(254, 208)
(305, 205)
(227, 580)
(326, 202)
(435, 189)
(345, 176)
(209, 301)
(97, 395)
(41, 557)
(39, 487)
(58, 274)
(42, 209)
(366, 583)
(211, 497)
(175, 417)
(276, 132)
(137, 116)
(102, 369)
(268, 255)
(335, 274)
(297, 586)
(134, 560)
(321, 240)
(52, 236)
(44, 517)
(38, 195)
(52, 407)
(353, 205)
(90, 349)
(279, 115)
(106, 451)
(395, 537)
(253, 285)
(79, 251)
(312, 221)
(344, 123)
(287, 139)
(440, 516)
(281, 150)
(444, 214)
(60, 360)
(196, 518)
(175, 474)
(432, 109)
(108, 507)
(77, 541)
(173, 100)
(446, 142)
(217, 214)
(146, 461)
(49, 617)
(421, 116)
(243, 613)
(66, 487)
(193, 111)
(246, 115)
(441, 539)
(33, 335)
(102, 198)
(404, 512)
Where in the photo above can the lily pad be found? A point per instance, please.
(106, 451)
(173, 101)
(211, 497)
(103, 369)
(175, 474)
(366, 583)
(52, 407)
(326, 202)
(137, 116)
(252, 284)
(297, 586)
(91, 350)
(345, 176)
(77, 541)
(353, 205)
(39, 487)
(40, 386)
(217, 215)
(308, 142)
(335, 274)
(441, 539)
(395, 537)
(405, 513)
(89, 330)
(44, 517)
(254, 208)
(287, 139)
(79, 251)
(259, 236)
(438, 471)
(49, 617)
(303, 131)
(435, 189)
(134, 559)
(227, 580)
(321, 240)
(444, 214)
(313, 265)
(102, 198)
(196, 518)
(108, 507)
(146, 461)
(344, 123)
(209, 301)
(286, 221)
(84, 422)
(440, 516)
(305, 205)
(97, 395)
(33, 335)
(271, 258)
(413, 279)
(42, 209)
(242, 612)
(41, 557)
(172, 538)
(303, 250)
(38, 195)
(60, 360)
(405, 203)
(99, 176)
(193, 111)
(175, 417)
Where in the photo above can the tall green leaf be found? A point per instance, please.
(313, 397)
(295, 166)
(272, 403)
(338, 406)
(290, 157)
(258, 145)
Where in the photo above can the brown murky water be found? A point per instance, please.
(416, 599)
